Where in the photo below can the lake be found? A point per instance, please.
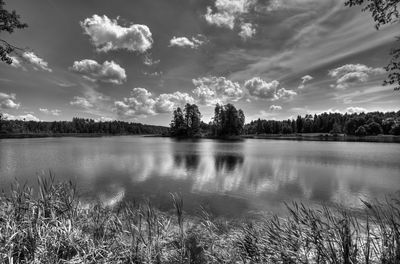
(227, 178)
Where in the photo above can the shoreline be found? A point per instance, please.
(296, 137)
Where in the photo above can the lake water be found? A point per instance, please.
(227, 178)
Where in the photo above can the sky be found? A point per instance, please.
(138, 60)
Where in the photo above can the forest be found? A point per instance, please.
(356, 124)
(228, 121)
(77, 126)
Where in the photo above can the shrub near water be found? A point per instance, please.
(52, 227)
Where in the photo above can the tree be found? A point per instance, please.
(228, 121)
(186, 123)
(374, 128)
(384, 12)
(360, 131)
(9, 21)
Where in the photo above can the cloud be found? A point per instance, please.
(184, 42)
(149, 61)
(26, 117)
(109, 71)
(247, 31)
(81, 102)
(275, 107)
(165, 103)
(28, 57)
(262, 89)
(351, 74)
(304, 80)
(107, 35)
(212, 90)
(259, 88)
(282, 93)
(226, 12)
(143, 103)
(7, 101)
(54, 112)
(104, 119)
(355, 109)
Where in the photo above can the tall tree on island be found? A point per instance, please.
(9, 21)
(186, 123)
(227, 121)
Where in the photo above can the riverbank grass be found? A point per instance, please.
(52, 226)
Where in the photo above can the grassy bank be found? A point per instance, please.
(52, 226)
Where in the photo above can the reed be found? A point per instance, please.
(51, 226)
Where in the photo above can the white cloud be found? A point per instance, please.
(37, 63)
(81, 102)
(109, 71)
(165, 103)
(106, 35)
(350, 74)
(259, 88)
(247, 31)
(184, 42)
(282, 93)
(275, 107)
(26, 117)
(304, 80)
(262, 89)
(54, 112)
(226, 12)
(355, 109)
(142, 103)
(32, 59)
(149, 61)
(212, 90)
(103, 119)
(7, 101)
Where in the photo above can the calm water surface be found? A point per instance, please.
(227, 178)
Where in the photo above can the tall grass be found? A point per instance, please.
(51, 226)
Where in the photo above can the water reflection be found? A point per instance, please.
(228, 178)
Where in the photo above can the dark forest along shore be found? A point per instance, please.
(227, 178)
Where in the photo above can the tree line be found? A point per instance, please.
(362, 124)
(78, 126)
(228, 121)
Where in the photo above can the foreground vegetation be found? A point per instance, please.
(52, 226)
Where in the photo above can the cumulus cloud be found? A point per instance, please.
(184, 42)
(30, 58)
(304, 80)
(226, 12)
(143, 103)
(106, 35)
(26, 117)
(351, 74)
(262, 89)
(355, 109)
(275, 107)
(212, 90)
(81, 102)
(247, 31)
(54, 112)
(7, 101)
(109, 71)
(257, 87)
(165, 103)
(282, 93)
